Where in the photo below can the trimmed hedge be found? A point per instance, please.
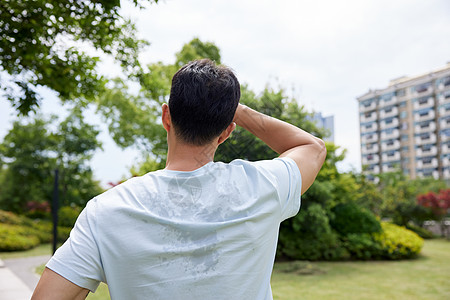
(20, 233)
(17, 237)
(397, 242)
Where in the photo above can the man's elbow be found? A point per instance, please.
(321, 150)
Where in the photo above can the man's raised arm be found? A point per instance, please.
(287, 140)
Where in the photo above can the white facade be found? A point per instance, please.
(407, 125)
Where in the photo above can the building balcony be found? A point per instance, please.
(444, 138)
(422, 174)
(423, 91)
(391, 145)
(427, 164)
(446, 174)
(444, 98)
(389, 102)
(445, 149)
(444, 123)
(374, 169)
(446, 162)
(369, 128)
(365, 108)
(388, 168)
(444, 111)
(369, 149)
(395, 156)
(429, 152)
(428, 127)
(370, 159)
(392, 135)
(385, 125)
(388, 113)
(422, 140)
(368, 117)
(429, 102)
(369, 138)
(424, 117)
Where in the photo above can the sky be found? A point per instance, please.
(325, 53)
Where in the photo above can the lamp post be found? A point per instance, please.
(55, 207)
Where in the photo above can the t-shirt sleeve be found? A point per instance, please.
(288, 183)
(78, 259)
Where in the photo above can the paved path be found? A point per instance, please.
(17, 277)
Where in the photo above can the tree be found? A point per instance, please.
(399, 196)
(41, 42)
(32, 150)
(438, 204)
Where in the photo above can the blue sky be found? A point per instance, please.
(324, 52)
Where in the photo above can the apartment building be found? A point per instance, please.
(326, 123)
(407, 125)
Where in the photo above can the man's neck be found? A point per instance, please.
(184, 157)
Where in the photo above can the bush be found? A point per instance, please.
(67, 215)
(308, 236)
(17, 237)
(398, 242)
(349, 218)
(361, 246)
(7, 217)
(422, 232)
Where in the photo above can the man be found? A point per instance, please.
(197, 229)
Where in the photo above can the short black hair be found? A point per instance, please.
(203, 100)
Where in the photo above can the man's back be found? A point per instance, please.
(205, 234)
(197, 229)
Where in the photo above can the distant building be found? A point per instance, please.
(407, 125)
(324, 122)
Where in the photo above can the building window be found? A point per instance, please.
(401, 92)
(422, 87)
(423, 100)
(404, 137)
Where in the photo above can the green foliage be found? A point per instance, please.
(34, 148)
(16, 238)
(399, 197)
(148, 164)
(41, 42)
(349, 218)
(420, 231)
(21, 233)
(308, 236)
(361, 246)
(398, 242)
(67, 215)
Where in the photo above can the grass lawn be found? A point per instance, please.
(424, 278)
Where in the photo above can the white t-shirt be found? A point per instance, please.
(205, 234)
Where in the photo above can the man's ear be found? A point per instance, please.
(226, 133)
(166, 120)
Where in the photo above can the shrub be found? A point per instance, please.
(422, 232)
(67, 215)
(17, 237)
(63, 233)
(349, 218)
(361, 246)
(398, 242)
(7, 217)
(308, 236)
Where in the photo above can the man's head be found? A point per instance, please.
(203, 101)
